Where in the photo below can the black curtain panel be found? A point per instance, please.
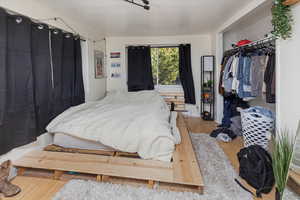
(3, 91)
(3, 47)
(68, 70)
(186, 74)
(40, 77)
(42, 74)
(19, 126)
(139, 69)
(78, 96)
(57, 57)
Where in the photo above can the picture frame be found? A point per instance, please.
(99, 64)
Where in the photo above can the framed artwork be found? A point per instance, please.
(99, 64)
(115, 55)
(115, 65)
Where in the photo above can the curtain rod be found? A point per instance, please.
(157, 45)
(82, 38)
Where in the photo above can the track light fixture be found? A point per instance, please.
(145, 4)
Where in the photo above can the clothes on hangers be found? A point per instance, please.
(244, 73)
(270, 80)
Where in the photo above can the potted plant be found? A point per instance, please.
(282, 153)
(209, 83)
(282, 19)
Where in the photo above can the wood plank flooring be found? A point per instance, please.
(44, 189)
(197, 125)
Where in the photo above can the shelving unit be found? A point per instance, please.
(207, 87)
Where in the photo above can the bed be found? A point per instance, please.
(133, 122)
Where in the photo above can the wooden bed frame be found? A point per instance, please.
(182, 174)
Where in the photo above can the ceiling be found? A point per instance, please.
(166, 17)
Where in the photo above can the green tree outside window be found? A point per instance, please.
(165, 66)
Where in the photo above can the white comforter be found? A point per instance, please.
(130, 122)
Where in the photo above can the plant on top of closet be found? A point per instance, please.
(282, 19)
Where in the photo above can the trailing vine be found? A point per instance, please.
(282, 20)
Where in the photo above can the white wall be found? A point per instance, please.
(200, 45)
(37, 10)
(254, 27)
(95, 89)
(288, 77)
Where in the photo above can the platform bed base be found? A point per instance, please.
(182, 174)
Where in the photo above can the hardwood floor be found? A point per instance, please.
(36, 188)
(197, 125)
(45, 189)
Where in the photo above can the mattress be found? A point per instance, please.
(134, 122)
(68, 141)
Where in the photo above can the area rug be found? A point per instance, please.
(217, 172)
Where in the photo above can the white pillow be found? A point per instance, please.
(174, 128)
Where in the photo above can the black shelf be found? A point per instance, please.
(207, 89)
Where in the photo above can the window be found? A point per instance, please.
(165, 65)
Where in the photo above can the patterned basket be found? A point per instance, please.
(257, 124)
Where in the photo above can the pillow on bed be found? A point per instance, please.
(174, 128)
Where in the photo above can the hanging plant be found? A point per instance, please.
(282, 20)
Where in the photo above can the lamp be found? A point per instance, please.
(145, 2)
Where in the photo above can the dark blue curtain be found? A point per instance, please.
(139, 69)
(57, 59)
(78, 96)
(42, 74)
(19, 125)
(40, 77)
(186, 73)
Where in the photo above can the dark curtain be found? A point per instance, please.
(57, 57)
(19, 112)
(3, 91)
(186, 74)
(40, 77)
(3, 47)
(68, 70)
(78, 96)
(139, 69)
(42, 74)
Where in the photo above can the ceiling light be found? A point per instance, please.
(146, 2)
(145, 5)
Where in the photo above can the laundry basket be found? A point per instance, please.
(257, 125)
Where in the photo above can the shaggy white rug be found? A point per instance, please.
(217, 172)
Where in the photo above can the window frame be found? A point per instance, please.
(175, 88)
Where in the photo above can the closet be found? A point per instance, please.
(247, 76)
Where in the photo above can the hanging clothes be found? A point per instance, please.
(244, 73)
(257, 71)
(227, 76)
(270, 79)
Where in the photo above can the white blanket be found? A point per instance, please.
(129, 122)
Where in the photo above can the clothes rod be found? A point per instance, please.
(82, 38)
(257, 42)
